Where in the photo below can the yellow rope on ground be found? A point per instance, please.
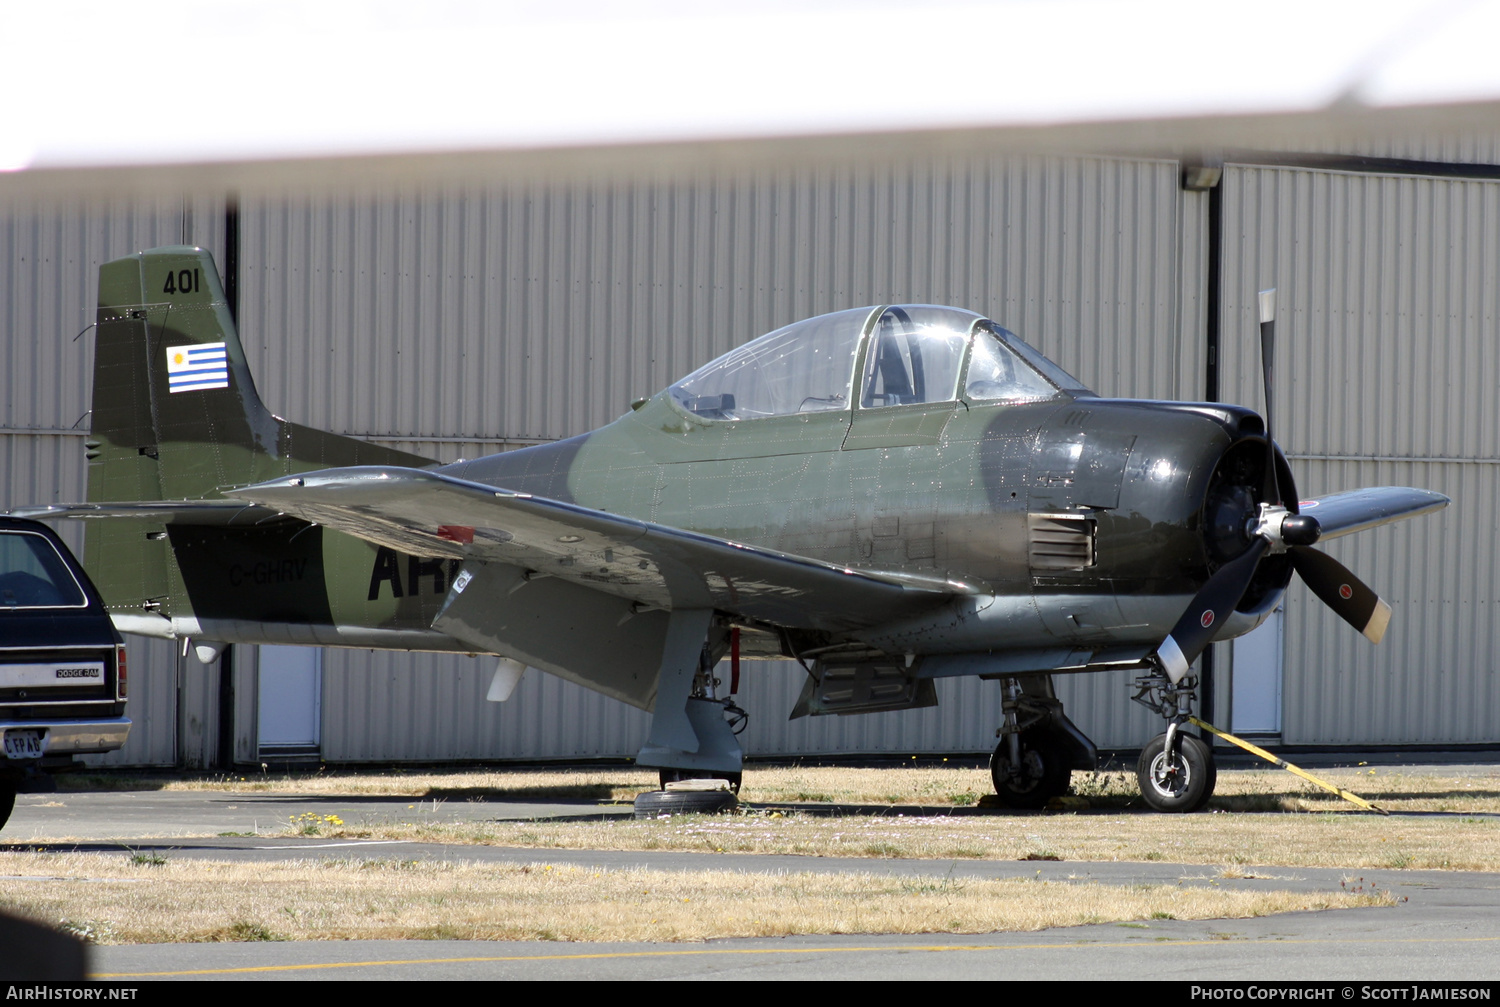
(1255, 750)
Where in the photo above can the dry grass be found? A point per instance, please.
(1320, 840)
(1238, 790)
(115, 900)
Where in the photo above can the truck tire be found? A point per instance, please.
(7, 802)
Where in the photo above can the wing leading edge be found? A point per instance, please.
(426, 513)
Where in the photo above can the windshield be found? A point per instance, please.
(997, 373)
(1053, 373)
(801, 368)
(33, 575)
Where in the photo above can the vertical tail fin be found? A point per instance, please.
(175, 411)
(176, 417)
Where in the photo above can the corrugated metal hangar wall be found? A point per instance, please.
(461, 322)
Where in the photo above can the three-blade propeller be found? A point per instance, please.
(1279, 529)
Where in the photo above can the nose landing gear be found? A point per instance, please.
(1180, 781)
(1176, 771)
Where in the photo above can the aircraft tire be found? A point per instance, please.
(656, 803)
(667, 776)
(1184, 790)
(7, 802)
(1048, 768)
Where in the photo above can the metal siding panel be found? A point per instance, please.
(1386, 374)
(197, 712)
(1451, 148)
(1189, 352)
(152, 706)
(43, 468)
(431, 708)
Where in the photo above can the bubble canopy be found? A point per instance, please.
(913, 354)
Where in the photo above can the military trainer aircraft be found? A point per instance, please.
(888, 494)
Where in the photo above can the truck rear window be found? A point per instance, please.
(33, 575)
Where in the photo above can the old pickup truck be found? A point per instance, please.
(62, 664)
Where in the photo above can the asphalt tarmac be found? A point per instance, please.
(126, 815)
(1448, 927)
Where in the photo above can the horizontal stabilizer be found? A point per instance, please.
(1356, 510)
(426, 513)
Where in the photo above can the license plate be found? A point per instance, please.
(25, 744)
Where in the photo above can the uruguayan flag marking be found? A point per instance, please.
(194, 368)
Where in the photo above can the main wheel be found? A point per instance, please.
(667, 776)
(1044, 772)
(656, 803)
(7, 802)
(1180, 784)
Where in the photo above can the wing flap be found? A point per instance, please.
(437, 515)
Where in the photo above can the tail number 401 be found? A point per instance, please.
(183, 281)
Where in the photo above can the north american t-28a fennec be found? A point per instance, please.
(888, 495)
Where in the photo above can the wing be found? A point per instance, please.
(424, 513)
(1346, 513)
(193, 512)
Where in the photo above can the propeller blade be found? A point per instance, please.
(1341, 591)
(1268, 367)
(1212, 604)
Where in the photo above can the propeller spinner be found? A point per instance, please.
(1278, 529)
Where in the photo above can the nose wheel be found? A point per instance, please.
(1176, 782)
(1043, 772)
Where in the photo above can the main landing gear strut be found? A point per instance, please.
(693, 742)
(1039, 746)
(1176, 770)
